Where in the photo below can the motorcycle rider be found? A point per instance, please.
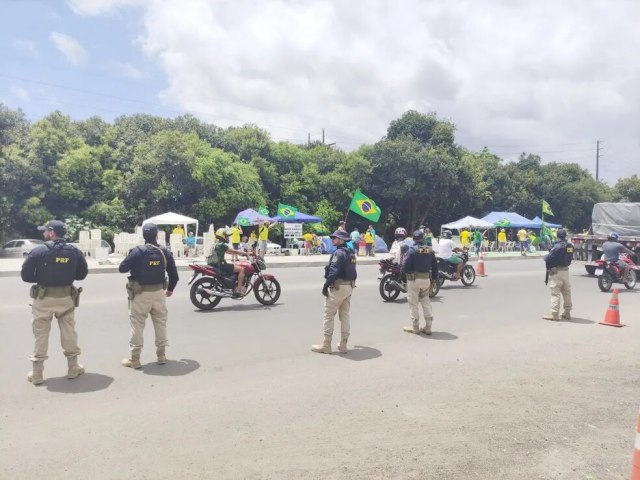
(446, 252)
(421, 268)
(612, 249)
(557, 261)
(219, 262)
(400, 245)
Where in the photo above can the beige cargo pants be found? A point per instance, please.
(418, 294)
(559, 284)
(338, 301)
(43, 311)
(145, 304)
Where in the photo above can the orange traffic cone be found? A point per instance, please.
(612, 317)
(480, 267)
(635, 465)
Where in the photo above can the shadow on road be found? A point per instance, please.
(359, 353)
(578, 320)
(442, 336)
(88, 382)
(173, 368)
(458, 287)
(239, 308)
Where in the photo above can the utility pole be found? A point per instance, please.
(323, 136)
(308, 138)
(597, 160)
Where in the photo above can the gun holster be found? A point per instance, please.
(75, 295)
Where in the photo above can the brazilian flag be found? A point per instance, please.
(364, 206)
(286, 211)
(263, 210)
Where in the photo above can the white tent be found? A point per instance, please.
(469, 222)
(171, 218)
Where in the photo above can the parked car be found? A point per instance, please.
(20, 247)
(103, 243)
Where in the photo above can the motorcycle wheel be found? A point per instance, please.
(201, 301)
(387, 295)
(631, 283)
(267, 292)
(435, 288)
(605, 281)
(468, 275)
(441, 280)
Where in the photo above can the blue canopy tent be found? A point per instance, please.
(298, 217)
(537, 220)
(514, 219)
(250, 217)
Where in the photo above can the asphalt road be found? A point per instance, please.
(495, 393)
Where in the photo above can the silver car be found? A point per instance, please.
(20, 247)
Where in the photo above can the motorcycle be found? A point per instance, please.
(209, 286)
(609, 273)
(447, 270)
(393, 282)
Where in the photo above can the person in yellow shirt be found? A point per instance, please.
(178, 231)
(464, 238)
(502, 241)
(369, 241)
(307, 237)
(523, 236)
(263, 236)
(235, 233)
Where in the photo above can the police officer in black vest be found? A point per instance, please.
(147, 288)
(340, 280)
(557, 261)
(53, 267)
(421, 268)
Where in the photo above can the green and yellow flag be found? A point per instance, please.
(364, 206)
(546, 209)
(263, 210)
(286, 211)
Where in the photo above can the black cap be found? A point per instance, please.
(342, 235)
(150, 230)
(57, 226)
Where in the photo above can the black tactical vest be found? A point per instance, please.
(349, 267)
(58, 267)
(567, 255)
(422, 258)
(152, 266)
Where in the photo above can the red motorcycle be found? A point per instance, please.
(213, 285)
(609, 273)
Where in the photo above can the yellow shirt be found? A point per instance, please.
(464, 237)
(502, 237)
(178, 231)
(522, 235)
(368, 238)
(235, 234)
(308, 237)
(263, 233)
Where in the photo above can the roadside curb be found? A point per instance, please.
(276, 264)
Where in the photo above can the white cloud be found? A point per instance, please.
(27, 47)
(21, 93)
(70, 48)
(127, 70)
(532, 76)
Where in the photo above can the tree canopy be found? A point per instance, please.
(113, 175)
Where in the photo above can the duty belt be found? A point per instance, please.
(341, 281)
(56, 292)
(147, 288)
(418, 275)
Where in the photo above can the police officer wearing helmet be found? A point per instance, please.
(340, 280)
(147, 288)
(421, 268)
(557, 261)
(53, 267)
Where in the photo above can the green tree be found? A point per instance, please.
(627, 189)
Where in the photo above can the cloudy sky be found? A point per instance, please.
(547, 77)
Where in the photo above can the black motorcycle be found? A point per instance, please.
(393, 282)
(447, 270)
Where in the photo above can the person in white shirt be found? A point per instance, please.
(400, 246)
(446, 249)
